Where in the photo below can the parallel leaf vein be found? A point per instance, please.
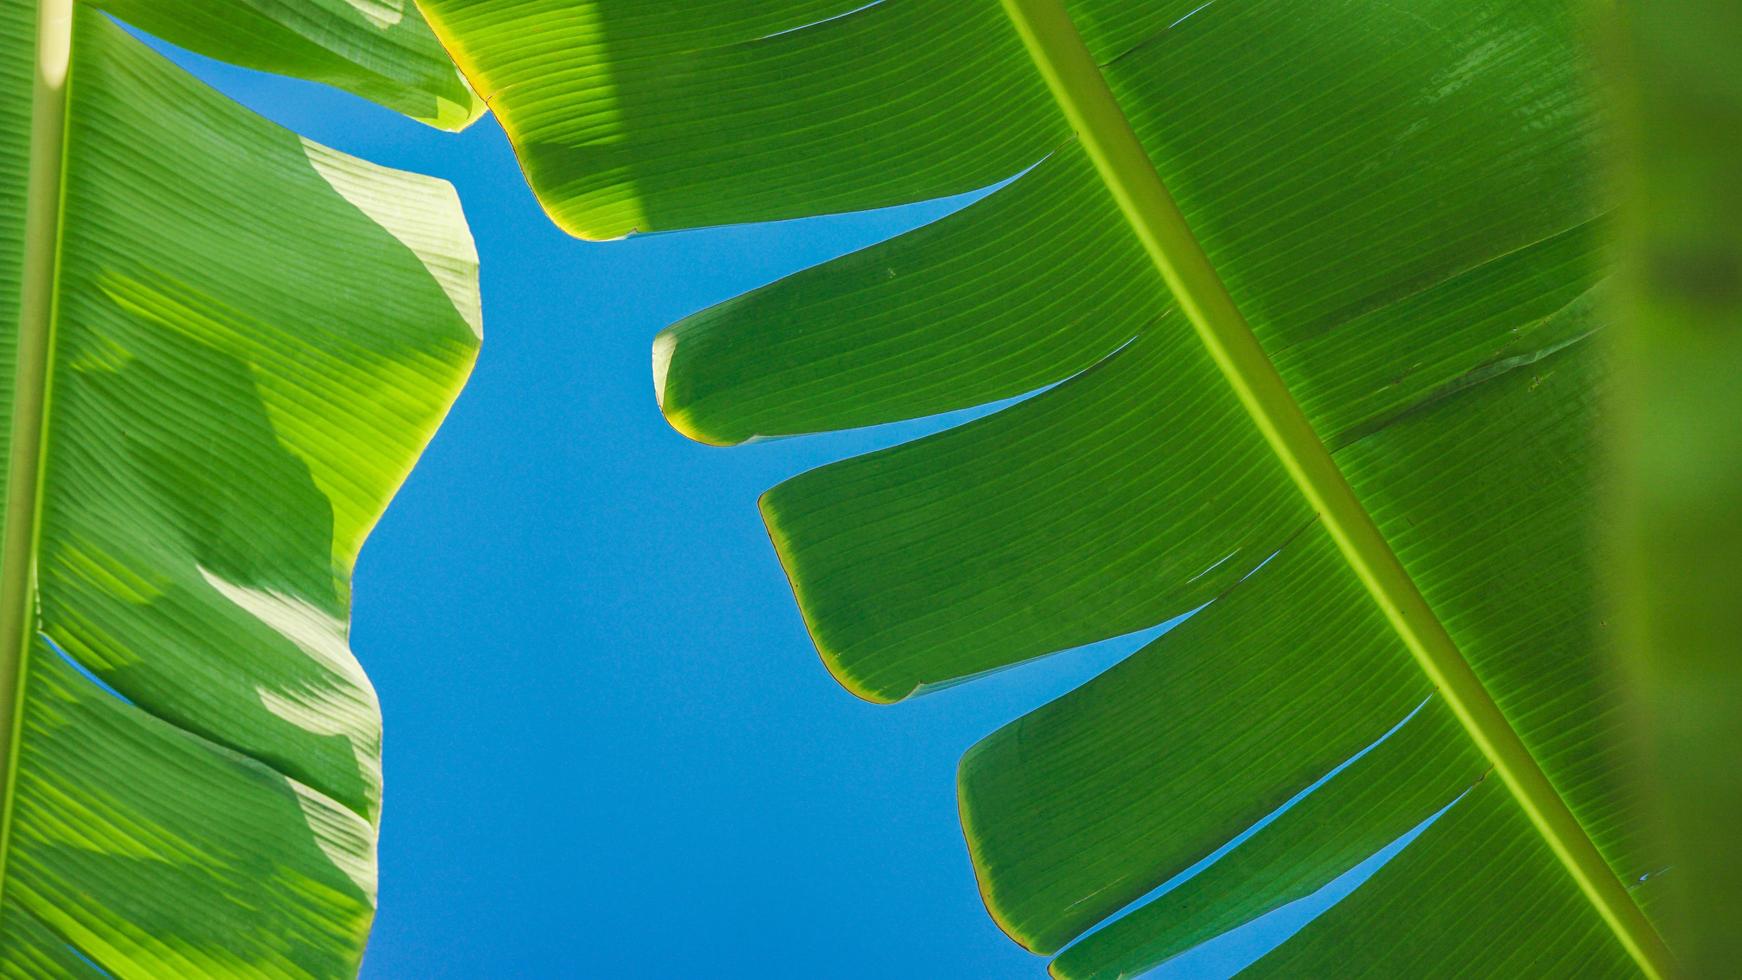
(1125, 168)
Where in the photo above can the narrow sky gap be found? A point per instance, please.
(1128, 643)
(825, 20)
(1247, 834)
(84, 671)
(1150, 38)
(93, 964)
(67, 944)
(1190, 13)
(1267, 560)
(1238, 948)
(1218, 563)
(887, 435)
(925, 212)
(847, 443)
(178, 726)
(84, 958)
(1649, 875)
(935, 209)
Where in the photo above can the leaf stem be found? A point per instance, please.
(37, 306)
(1124, 166)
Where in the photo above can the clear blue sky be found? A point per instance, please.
(611, 750)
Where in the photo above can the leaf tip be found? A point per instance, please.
(982, 874)
(663, 346)
(677, 415)
(832, 660)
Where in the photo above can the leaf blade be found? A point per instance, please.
(383, 52)
(234, 396)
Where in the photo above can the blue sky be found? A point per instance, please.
(611, 750)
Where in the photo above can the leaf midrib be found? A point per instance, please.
(45, 192)
(1063, 60)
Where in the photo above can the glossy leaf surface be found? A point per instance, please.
(1402, 201)
(252, 339)
(381, 50)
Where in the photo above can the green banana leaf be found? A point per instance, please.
(379, 49)
(1678, 523)
(224, 346)
(1402, 201)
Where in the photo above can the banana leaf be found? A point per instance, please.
(380, 49)
(1306, 301)
(224, 347)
